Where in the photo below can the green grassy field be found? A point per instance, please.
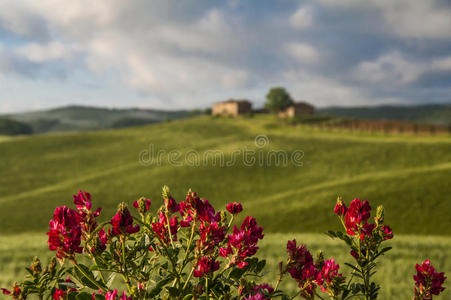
(409, 175)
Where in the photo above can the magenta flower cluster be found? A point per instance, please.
(189, 250)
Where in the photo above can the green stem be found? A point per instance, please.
(101, 276)
(124, 265)
(169, 230)
(230, 222)
(279, 279)
(343, 223)
(98, 269)
(93, 233)
(188, 247)
(365, 282)
(358, 243)
(188, 279)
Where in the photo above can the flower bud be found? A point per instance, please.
(148, 219)
(234, 208)
(319, 260)
(379, 219)
(122, 222)
(16, 291)
(223, 217)
(36, 267)
(166, 194)
(52, 266)
(340, 208)
(122, 206)
(142, 205)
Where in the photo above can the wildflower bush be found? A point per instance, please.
(188, 250)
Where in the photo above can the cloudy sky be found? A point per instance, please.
(187, 54)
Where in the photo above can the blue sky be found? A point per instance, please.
(188, 54)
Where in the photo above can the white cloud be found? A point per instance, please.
(416, 19)
(406, 18)
(191, 54)
(70, 12)
(302, 18)
(41, 53)
(15, 19)
(211, 34)
(162, 57)
(394, 68)
(322, 91)
(168, 74)
(391, 67)
(443, 64)
(303, 52)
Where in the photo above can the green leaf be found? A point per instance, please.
(111, 278)
(67, 285)
(385, 249)
(260, 266)
(94, 268)
(84, 296)
(158, 287)
(29, 271)
(28, 282)
(237, 273)
(173, 291)
(348, 240)
(331, 233)
(353, 267)
(72, 296)
(87, 281)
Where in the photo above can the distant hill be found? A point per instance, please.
(12, 127)
(438, 114)
(85, 118)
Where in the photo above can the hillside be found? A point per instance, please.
(438, 114)
(84, 118)
(408, 174)
(12, 127)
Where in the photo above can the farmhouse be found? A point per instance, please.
(297, 109)
(232, 108)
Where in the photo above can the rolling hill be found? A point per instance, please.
(437, 114)
(409, 175)
(85, 118)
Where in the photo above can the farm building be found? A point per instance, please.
(232, 108)
(297, 109)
